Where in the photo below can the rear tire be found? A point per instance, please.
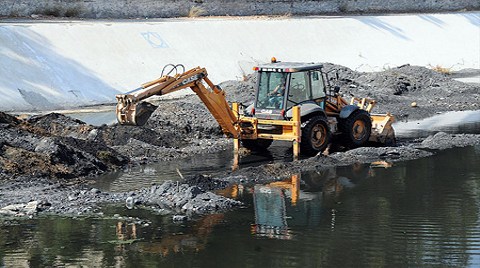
(257, 145)
(356, 129)
(315, 136)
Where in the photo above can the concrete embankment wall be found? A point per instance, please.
(175, 8)
(53, 64)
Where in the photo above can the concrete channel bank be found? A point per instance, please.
(53, 64)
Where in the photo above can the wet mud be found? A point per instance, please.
(47, 161)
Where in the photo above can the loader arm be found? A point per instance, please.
(131, 111)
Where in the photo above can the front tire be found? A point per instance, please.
(356, 129)
(315, 136)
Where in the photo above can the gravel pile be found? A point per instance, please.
(397, 88)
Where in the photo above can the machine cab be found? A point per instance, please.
(282, 85)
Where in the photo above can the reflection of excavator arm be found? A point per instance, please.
(131, 111)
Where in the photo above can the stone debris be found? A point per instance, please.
(27, 209)
(442, 141)
(187, 199)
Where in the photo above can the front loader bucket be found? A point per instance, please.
(382, 130)
(134, 114)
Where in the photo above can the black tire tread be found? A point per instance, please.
(345, 126)
(306, 147)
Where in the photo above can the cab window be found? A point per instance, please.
(317, 85)
(271, 90)
(299, 88)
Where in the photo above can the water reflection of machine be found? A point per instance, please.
(271, 207)
(275, 216)
(270, 212)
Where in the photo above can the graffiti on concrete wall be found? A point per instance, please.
(154, 39)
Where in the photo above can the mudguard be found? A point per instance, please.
(348, 110)
(307, 108)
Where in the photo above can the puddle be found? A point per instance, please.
(144, 176)
(208, 164)
(451, 122)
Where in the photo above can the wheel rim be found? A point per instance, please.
(319, 135)
(359, 130)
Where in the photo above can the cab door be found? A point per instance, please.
(318, 88)
(299, 89)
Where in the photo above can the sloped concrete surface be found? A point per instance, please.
(57, 64)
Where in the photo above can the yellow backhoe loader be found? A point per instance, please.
(294, 102)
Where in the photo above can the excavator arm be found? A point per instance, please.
(132, 111)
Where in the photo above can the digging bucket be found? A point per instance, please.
(134, 114)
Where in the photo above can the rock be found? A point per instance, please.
(46, 146)
(129, 202)
(43, 205)
(95, 191)
(159, 190)
(92, 134)
(192, 192)
(12, 209)
(188, 199)
(413, 104)
(205, 183)
(20, 209)
(178, 218)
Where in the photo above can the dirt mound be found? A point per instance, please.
(240, 91)
(120, 135)
(58, 125)
(184, 119)
(412, 80)
(178, 128)
(54, 146)
(396, 89)
(8, 119)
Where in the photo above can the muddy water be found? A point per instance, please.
(417, 213)
(143, 176)
(207, 164)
